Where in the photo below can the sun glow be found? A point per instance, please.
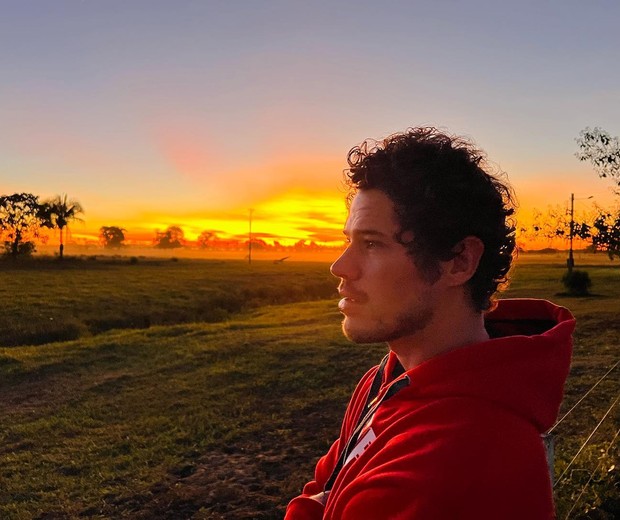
(287, 218)
(290, 217)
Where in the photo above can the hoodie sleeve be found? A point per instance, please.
(303, 507)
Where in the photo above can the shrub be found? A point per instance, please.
(23, 249)
(577, 283)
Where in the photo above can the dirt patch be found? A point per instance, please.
(249, 480)
(246, 484)
(43, 390)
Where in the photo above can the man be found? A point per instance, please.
(449, 426)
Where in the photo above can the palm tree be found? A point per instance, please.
(60, 211)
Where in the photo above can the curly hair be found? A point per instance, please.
(442, 193)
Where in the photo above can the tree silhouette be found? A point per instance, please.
(21, 218)
(554, 223)
(602, 150)
(205, 239)
(605, 233)
(112, 237)
(601, 228)
(172, 238)
(59, 211)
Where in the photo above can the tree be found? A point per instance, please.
(205, 239)
(59, 211)
(602, 150)
(605, 233)
(555, 223)
(21, 218)
(172, 238)
(112, 237)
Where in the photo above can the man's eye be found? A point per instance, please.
(370, 244)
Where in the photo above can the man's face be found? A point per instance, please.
(384, 296)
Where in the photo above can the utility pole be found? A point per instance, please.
(250, 239)
(570, 263)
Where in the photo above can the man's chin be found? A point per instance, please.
(358, 335)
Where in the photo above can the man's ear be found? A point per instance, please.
(467, 254)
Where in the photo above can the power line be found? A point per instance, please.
(592, 475)
(582, 398)
(588, 439)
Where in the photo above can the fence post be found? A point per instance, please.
(549, 443)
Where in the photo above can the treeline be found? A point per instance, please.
(600, 229)
(174, 237)
(24, 219)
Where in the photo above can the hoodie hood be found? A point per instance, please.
(522, 367)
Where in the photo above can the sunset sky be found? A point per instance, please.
(153, 113)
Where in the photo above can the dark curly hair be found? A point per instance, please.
(442, 193)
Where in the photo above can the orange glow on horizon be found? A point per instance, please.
(287, 218)
(296, 214)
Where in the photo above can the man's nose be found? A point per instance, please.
(345, 266)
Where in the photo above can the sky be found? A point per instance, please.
(154, 113)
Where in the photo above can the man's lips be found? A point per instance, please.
(350, 299)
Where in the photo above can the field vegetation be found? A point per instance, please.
(45, 300)
(207, 390)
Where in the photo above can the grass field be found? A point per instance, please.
(208, 389)
(45, 300)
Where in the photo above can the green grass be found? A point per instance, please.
(93, 425)
(46, 300)
(226, 420)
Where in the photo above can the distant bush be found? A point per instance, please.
(577, 283)
(23, 249)
(133, 260)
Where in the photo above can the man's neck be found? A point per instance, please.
(444, 334)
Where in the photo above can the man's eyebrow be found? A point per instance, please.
(365, 232)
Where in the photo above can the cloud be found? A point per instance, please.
(319, 234)
(325, 217)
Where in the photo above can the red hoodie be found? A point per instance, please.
(460, 437)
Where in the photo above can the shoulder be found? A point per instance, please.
(455, 459)
(456, 424)
(477, 453)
